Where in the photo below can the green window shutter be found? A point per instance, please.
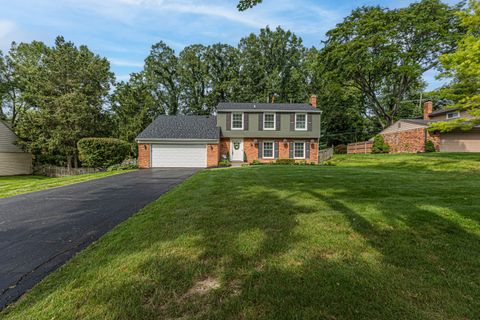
(245, 121)
(278, 118)
(276, 149)
(229, 121)
(292, 122)
(309, 122)
(259, 149)
(307, 150)
(290, 150)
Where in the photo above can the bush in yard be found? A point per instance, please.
(379, 145)
(224, 163)
(430, 146)
(102, 152)
(119, 167)
(285, 161)
(256, 163)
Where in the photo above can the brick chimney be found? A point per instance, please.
(313, 100)
(427, 109)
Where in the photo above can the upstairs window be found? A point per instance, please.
(268, 150)
(269, 121)
(237, 121)
(300, 121)
(453, 115)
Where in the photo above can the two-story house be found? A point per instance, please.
(240, 132)
(410, 135)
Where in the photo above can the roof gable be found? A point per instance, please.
(8, 139)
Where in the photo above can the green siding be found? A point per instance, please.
(253, 131)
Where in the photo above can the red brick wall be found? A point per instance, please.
(213, 155)
(251, 150)
(224, 147)
(410, 141)
(143, 155)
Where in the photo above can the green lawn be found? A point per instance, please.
(13, 185)
(370, 237)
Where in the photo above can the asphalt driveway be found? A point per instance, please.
(40, 231)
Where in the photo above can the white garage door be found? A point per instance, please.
(460, 141)
(182, 155)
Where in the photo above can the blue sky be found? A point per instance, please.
(124, 30)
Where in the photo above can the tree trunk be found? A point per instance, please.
(75, 160)
(69, 162)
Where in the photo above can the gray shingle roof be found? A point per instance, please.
(416, 121)
(442, 111)
(182, 127)
(253, 106)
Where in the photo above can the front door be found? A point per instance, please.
(236, 150)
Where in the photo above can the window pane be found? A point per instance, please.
(268, 149)
(237, 120)
(299, 148)
(301, 121)
(269, 122)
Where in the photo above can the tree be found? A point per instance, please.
(66, 97)
(17, 68)
(223, 63)
(162, 74)
(247, 4)
(193, 80)
(463, 66)
(272, 67)
(383, 53)
(133, 106)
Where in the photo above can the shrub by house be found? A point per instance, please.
(102, 152)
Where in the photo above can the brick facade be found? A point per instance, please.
(213, 155)
(251, 149)
(224, 148)
(143, 155)
(410, 141)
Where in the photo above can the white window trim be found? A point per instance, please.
(304, 150)
(457, 115)
(273, 150)
(243, 121)
(306, 122)
(274, 121)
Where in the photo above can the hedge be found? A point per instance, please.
(102, 152)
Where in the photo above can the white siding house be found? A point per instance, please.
(13, 160)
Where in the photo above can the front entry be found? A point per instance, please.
(236, 150)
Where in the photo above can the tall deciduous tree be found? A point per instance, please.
(247, 4)
(134, 107)
(223, 63)
(161, 70)
(66, 97)
(272, 64)
(463, 66)
(383, 53)
(194, 84)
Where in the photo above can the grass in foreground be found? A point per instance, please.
(13, 185)
(374, 237)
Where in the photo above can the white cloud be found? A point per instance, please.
(126, 63)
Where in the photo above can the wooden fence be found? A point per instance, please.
(325, 154)
(360, 147)
(54, 171)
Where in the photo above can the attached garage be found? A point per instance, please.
(179, 141)
(179, 155)
(460, 141)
